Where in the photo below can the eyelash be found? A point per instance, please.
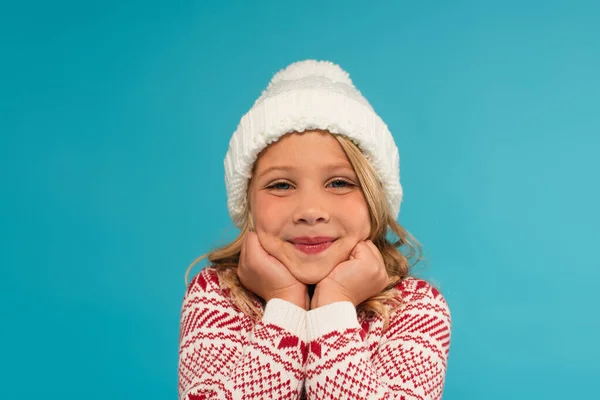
(273, 185)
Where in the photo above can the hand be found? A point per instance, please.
(355, 280)
(267, 277)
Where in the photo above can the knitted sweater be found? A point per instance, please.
(331, 352)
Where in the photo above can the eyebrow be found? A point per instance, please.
(288, 168)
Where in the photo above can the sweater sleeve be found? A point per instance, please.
(408, 364)
(225, 355)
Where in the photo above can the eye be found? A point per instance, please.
(340, 184)
(280, 186)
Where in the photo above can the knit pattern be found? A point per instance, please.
(326, 353)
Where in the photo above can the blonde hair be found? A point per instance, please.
(225, 259)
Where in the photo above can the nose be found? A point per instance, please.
(311, 210)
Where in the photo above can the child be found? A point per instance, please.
(313, 299)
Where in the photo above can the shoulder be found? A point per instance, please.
(205, 291)
(417, 293)
(205, 281)
(413, 288)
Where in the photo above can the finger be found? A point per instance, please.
(375, 250)
(256, 245)
(241, 263)
(244, 250)
(360, 250)
(252, 248)
(380, 261)
(251, 236)
(250, 253)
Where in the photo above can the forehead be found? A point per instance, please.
(306, 148)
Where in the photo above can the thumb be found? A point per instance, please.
(252, 238)
(358, 251)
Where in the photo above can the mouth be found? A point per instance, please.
(313, 245)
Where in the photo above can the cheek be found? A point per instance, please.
(269, 221)
(269, 213)
(269, 242)
(366, 227)
(356, 218)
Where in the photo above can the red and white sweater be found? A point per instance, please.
(326, 353)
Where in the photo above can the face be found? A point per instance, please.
(308, 209)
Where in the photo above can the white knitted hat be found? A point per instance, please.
(310, 95)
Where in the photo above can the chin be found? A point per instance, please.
(311, 275)
(310, 280)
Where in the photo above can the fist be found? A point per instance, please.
(362, 276)
(266, 276)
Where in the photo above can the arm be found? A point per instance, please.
(224, 355)
(409, 364)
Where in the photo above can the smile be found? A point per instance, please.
(312, 246)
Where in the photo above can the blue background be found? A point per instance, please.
(115, 118)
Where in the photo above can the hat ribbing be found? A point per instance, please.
(309, 95)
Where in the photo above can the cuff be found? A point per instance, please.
(286, 315)
(337, 316)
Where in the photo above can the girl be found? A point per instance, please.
(313, 299)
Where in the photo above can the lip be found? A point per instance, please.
(312, 245)
(312, 240)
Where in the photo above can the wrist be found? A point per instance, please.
(322, 298)
(296, 297)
